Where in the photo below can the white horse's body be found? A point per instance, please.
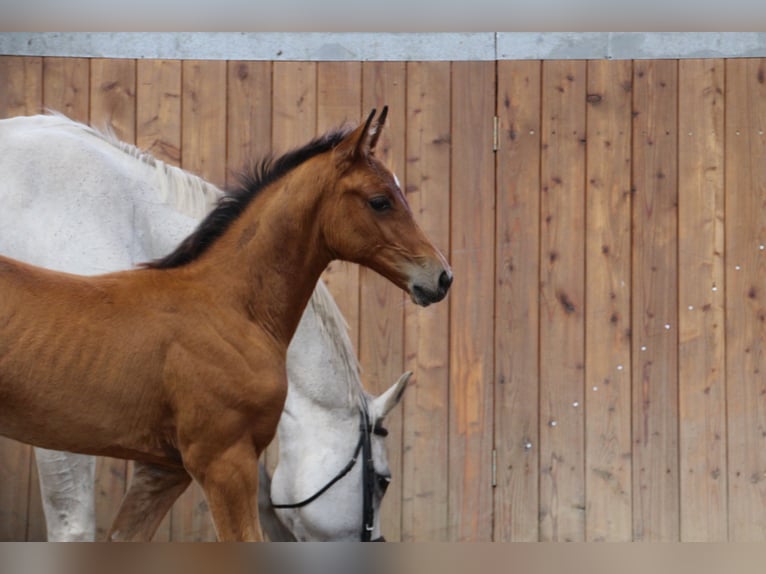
(78, 201)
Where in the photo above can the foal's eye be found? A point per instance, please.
(380, 203)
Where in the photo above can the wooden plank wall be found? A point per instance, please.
(603, 347)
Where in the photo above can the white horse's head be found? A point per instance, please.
(331, 492)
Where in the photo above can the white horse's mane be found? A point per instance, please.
(182, 190)
(334, 325)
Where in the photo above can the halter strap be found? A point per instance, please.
(346, 469)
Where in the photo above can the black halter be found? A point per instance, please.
(368, 477)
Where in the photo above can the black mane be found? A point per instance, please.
(236, 200)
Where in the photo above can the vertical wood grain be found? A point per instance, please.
(158, 109)
(339, 101)
(248, 119)
(158, 130)
(424, 479)
(701, 286)
(203, 104)
(248, 116)
(203, 152)
(517, 270)
(655, 302)
(22, 86)
(20, 506)
(294, 123)
(607, 306)
(15, 483)
(562, 302)
(113, 97)
(381, 303)
(471, 301)
(113, 106)
(294, 120)
(745, 296)
(66, 87)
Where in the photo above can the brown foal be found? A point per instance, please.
(181, 365)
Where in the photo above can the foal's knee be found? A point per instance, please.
(230, 482)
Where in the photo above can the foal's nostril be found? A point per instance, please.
(445, 280)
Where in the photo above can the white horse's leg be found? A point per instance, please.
(67, 490)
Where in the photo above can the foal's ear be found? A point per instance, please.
(361, 142)
(378, 128)
(381, 405)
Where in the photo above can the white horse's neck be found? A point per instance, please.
(322, 367)
(325, 390)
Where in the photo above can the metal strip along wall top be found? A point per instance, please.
(416, 47)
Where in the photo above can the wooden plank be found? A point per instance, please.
(425, 409)
(381, 305)
(113, 96)
(701, 298)
(517, 271)
(66, 87)
(607, 303)
(203, 152)
(21, 94)
(562, 317)
(339, 99)
(655, 302)
(294, 123)
(158, 108)
(113, 106)
(249, 119)
(745, 295)
(37, 530)
(294, 119)
(15, 460)
(203, 104)
(471, 369)
(22, 81)
(248, 116)
(158, 130)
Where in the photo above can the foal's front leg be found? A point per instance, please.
(230, 482)
(153, 490)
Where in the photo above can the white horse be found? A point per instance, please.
(78, 200)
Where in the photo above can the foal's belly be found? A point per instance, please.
(59, 394)
(87, 423)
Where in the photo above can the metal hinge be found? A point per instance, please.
(495, 132)
(494, 468)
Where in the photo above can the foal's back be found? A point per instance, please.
(64, 336)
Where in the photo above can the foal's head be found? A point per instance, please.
(368, 220)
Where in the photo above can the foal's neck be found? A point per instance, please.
(273, 254)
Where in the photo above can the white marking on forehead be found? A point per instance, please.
(396, 179)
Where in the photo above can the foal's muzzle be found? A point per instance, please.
(424, 297)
